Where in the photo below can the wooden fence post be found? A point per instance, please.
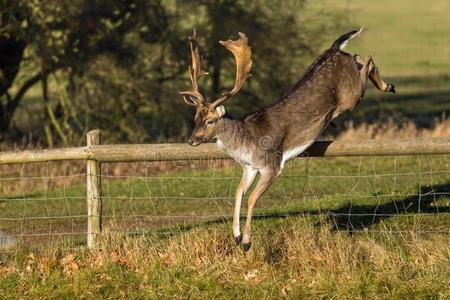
(94, 192)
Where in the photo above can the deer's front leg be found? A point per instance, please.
(247, 179)
(268, 175)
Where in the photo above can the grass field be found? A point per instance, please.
(405, 37)
(328, 228)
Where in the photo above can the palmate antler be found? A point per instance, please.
(243, 57)
(194, 97)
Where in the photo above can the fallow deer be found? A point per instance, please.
(263, 141)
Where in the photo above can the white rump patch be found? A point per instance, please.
(294, 152)
(344, 44)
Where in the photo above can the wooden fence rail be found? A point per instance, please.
(168, 152)
(95, 154)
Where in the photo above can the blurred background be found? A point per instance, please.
(67, 66)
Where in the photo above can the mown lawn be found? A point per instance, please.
(346, 228)
(405, 37)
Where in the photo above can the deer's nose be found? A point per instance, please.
(194, 142)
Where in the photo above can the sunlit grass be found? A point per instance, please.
(346, 228)
(404, 37)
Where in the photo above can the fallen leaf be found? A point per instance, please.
(251, 274)
(69, 265)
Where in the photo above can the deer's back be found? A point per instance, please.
(306, 109)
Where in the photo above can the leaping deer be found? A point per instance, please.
(264, 140)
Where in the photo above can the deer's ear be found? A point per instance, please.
(220, 110)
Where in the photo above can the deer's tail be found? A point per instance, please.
(343, 40)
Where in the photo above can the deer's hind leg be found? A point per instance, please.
(368, 69)
(268, 175)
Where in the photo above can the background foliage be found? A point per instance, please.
(70, 66)
(118, 65)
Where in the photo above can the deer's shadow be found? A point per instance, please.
(355, 217)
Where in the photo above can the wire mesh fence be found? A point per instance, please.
(44, 202)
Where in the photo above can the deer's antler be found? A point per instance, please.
(243, 56)
(194, 97)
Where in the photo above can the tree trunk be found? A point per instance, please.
(11, 55)
(8, 107)
(216, 34)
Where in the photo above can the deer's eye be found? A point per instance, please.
(210, 122)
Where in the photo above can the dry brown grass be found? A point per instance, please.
(393, 130)
(18, 179)
(290, 258)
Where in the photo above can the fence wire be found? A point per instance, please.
(47, 201)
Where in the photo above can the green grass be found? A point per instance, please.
(327, 228)
(369, 185)
(405, 37)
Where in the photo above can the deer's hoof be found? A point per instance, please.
(391, 88)
(238, 239)
(246, 246)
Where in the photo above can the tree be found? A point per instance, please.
(61, 35)
(118, 64)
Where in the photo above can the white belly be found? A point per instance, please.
(294, 152)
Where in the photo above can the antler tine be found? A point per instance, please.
(194, 97)
(243, 56)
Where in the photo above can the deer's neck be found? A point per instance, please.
(230, 132)
(232, 139)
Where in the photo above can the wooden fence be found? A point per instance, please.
(94, 153)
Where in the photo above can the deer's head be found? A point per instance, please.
(207, 115)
